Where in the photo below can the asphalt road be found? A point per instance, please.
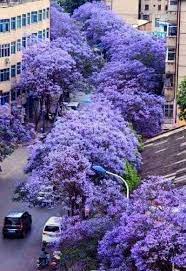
(19, 254)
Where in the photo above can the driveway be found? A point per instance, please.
(19, 254)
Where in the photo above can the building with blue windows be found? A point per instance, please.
(19, 21)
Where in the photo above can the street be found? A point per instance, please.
(19, 254)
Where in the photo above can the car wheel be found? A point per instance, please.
(4, 236)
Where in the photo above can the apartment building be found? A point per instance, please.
(174, 26)
(128, 10)
(167, 19)
(152, 10)
(20, 20)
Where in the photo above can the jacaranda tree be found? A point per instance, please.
(150, 235)
(135, 65)
(77, 141)
(101, 227)
(12, 131)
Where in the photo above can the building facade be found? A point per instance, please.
(174, 25)
(167, 19)
(20, 20)
(152, 10)
(128, 10)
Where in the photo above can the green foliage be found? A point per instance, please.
(131, 176)
(182, 100)
(70, 5)
(5, 150)
(84, 254)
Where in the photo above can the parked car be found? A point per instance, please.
(46, 197)
(17, 224)
(52, 230)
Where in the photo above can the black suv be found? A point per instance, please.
(17, 224)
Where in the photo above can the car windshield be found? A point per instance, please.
(51, 228)
(12, 221)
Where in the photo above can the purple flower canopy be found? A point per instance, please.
(12, 131)
(94, 49)
(135, 64)
(78, 140)
(150, 235)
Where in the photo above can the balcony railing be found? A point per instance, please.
(170, 67)
(169, 93)
(171, 41)
(172, 6)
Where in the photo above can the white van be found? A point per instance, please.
(52, 230)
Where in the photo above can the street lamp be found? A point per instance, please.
(102, 171)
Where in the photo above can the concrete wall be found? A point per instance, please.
(181, 50)
(153, 12)
(127, 9)
(182, 43)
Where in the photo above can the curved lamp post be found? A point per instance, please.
(100, 170)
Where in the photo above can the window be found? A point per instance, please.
(173, 2)
(13, 23)
(5, 50)
(40, 35)
(34, 18)
(24, 20)
(34, 35)
(4, 98)
(168, 111)
(28, 18)
(47, 33)
(44, 14)
(18, 45)
(51, 228)
(166, 7)
(171, 54)
(172, 30)
(47, 13)
(4, 25)
(157, 22)
(165, 28)
(44, 33)
(40, 15)
(146, 17)
(146, 7)
(13, 47)
(28, 40)
(13, 70)
(159, 7)
(18, 67)
(18, 21)
(169, 80)
(24, 42)
(4, 75)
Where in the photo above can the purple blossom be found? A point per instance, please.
(150, 235)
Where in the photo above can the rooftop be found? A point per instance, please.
(165, 155)
(15, 214)
(10, 3)
(54, 220)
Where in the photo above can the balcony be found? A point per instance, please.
(169, 93)
(10, 3)
(170, 67)
(172, 5)
(172, 17)
(171, 41)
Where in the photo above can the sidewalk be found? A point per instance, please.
(14, 163)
